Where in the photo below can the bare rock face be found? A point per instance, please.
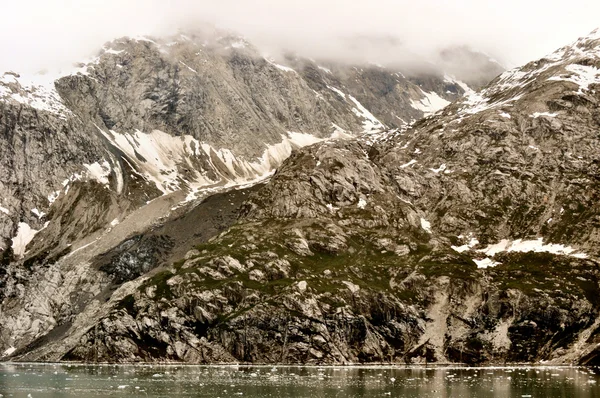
(468, 238)
(153, 116)
(471, 236)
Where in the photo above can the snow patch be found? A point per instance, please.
(302, 286)
(339, 133)
(430, 104)
(426, 225)
(351, 286)
(337, 91)
(370, 123)
(112, 51)
(405, 165)
(38, 214)
(331, 207)
(441, 168)
(280, 67)
(479, 102)
(53, 196)
(582, 75)
(535, 115)
(240, 43)
(452, 80)
(361, 203)
(170, 162)
(186, 65)
(485, 263)
(9, 351)
(99, 172)
(534, 245)
(36, 91)
(463, 248)
(24, 235)
(4, 210)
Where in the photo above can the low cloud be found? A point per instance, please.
(56, 33)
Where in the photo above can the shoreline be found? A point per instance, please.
(331, 366)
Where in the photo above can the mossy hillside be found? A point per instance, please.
(562, 278)
(327, 271)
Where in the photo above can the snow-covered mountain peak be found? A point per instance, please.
(37, 91)
(585, 47)
(577, 63)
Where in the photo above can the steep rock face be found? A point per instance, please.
(469, 238)
(94, 161)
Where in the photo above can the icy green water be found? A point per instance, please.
(49, 380)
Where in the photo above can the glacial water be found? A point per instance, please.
(59, 380)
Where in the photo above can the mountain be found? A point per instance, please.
(144, 228)
(149, 117)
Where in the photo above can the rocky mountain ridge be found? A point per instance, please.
(148, 117)
(469, 237)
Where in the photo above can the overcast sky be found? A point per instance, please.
(36, 34)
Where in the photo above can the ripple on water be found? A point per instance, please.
(57, 380)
